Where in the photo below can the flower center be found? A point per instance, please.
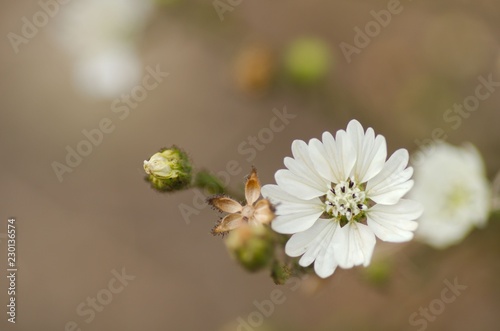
(346, 199)
(247, 212)
(458, 197)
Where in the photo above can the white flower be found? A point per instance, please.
(452, 185)
(84, 27)
(109, 72)
(338, 194)
(102, 37)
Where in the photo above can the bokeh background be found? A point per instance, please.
(225, 78)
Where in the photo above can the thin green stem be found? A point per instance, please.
(211, 184)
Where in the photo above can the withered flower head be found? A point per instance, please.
(255, 212)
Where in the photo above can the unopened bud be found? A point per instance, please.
(251, 246)
(168, 170)
(378, 273)
(280, 273)
(307, 61)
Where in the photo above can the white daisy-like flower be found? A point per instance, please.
(340, 193)
(451, 184)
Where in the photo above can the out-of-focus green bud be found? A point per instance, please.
(251, 246)
(280, 273)
(169, 170)
(378, 273)
(307, 60)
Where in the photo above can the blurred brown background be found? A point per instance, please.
(104, 217)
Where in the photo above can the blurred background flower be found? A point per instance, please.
(451, 184)
(102, 37)
(254, 69)
(307, 60)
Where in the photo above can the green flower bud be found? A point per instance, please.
(280, 273)
(169, 170)
(378, 273)
(251, 246)
(307, 60)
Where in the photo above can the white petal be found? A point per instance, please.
(394, 223)
(393, 231)
(301, 170)
(356, 133)
(372, 160)
(299, 187)
(342, 154)
(276, 195)
(333, 159)
(320, 159)
(404, 209)
(317, 246)
(292, 214)
(286, 203)
(392, 183)
(353, 245)
(305, 241)
(371, 151)
(391, 194)
(300, 151)
(302, 179)
(296, 222)
(293, 208)
(325, 263)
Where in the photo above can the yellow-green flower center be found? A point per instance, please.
(345, 199)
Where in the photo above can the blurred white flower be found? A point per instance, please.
(451, 184)
(102, 36)
(108, 73)
(88, 26)
(338, 194)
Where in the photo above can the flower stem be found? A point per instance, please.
(283, 266)
(204, 180)
(211, 184)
